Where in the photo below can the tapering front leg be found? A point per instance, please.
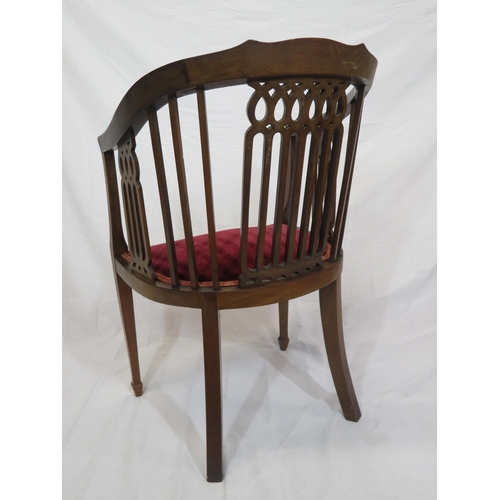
(126, 303)
(331, 318)
(213, 394)
(283, 338)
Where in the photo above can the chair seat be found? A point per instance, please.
(228, 256)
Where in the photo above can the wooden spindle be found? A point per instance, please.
(291, 166)
(283, 176)
(352, 143)
(207, 176)
(308, 194)
(319, 194)
(164, 198)
(129, 219)
(245, 203)
(294, 196)
(183, 191)
(264, 198)
(331, 189)
(117, 240)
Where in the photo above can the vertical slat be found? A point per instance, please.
(207, 176)
(283, 181)
(117, 240)
(319, 194)
(140, 234)
(308, 194)
(131, 212)
(183, 192)
(264, 198)
(352, 143)
(330, 196)
(292, 161)
(294, 197)
(245, 202)
(164, 199)
(129, 223)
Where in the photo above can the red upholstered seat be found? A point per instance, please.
(228, 256)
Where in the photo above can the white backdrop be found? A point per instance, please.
(284, 434)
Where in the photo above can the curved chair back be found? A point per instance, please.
(306, 88)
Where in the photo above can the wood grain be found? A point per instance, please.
(318, 85)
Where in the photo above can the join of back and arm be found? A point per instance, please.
(313, 73)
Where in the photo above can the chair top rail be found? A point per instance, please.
(252, 60)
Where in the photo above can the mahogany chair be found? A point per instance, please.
(319, 85)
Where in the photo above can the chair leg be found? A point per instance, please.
(213, 396)
(331, 319)
(126, 303)
(283, 338)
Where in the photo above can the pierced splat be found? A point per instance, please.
(297, 110)
(135, 212)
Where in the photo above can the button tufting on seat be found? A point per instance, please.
(228, 256)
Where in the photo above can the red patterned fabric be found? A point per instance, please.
(228, 256)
